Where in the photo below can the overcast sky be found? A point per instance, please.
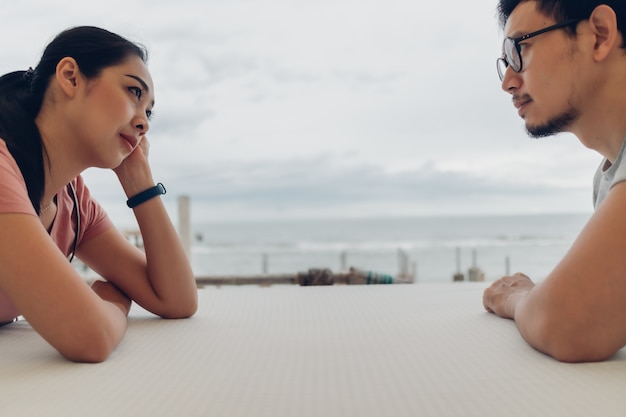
(327, 108)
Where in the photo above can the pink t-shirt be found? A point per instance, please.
(14, 199)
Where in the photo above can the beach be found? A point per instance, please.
(438, 247)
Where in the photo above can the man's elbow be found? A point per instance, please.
(577, 351)
(576, 344)
(180, 310)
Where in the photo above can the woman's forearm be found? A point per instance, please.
(168, 268)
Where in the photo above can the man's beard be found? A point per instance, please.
(555, 125)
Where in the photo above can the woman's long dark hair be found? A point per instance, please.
(22, 93)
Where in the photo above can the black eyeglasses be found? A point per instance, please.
(512, 53)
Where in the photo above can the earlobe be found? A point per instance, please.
(67, 75)
(604, 25)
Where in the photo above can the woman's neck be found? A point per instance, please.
(61, 164)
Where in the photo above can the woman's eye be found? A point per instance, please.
(136, 91)
(149, 114)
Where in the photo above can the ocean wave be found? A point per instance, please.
(382, 245)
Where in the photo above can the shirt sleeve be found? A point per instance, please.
(13, 199)
(13, 192)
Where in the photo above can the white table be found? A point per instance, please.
(379, 350)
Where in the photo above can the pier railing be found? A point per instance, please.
(313, 277)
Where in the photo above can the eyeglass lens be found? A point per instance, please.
(511, 57)
(501, 65)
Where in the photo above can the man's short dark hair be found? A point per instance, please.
(563, 10)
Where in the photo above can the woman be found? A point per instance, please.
(86, 104)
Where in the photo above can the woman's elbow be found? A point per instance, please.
(86, 356)
(95, 350)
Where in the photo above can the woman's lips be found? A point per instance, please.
(130, 139)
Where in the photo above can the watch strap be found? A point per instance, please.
(146, 195)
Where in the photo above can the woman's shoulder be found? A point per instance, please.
(6, 159)
(10, 174)
(79, 187)
(92, 216)
(75, 192)
(13, 192)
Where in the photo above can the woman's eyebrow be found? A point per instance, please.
(142, 82)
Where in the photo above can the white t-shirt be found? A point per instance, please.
(607, 175)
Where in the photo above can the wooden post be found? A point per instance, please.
(458, 276)
(406, 269)
(184, 224)
(264, 266)
(475, 273)
(403, 263)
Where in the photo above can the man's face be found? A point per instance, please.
(544, 91)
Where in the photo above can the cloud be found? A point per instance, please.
(324, 186)
(329, 108)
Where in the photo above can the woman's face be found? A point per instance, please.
(114, 112)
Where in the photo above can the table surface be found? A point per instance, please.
(377, 350)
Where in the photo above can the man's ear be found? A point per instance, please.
(68, 76)
(603, 22)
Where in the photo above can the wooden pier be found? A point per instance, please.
(313, 277)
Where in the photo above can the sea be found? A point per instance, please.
(437, 248)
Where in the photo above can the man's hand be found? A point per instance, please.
(502, 296)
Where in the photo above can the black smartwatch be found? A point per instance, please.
(146, 195)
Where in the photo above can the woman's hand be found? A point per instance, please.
(109, 292)
(137, 159)
(134, 172)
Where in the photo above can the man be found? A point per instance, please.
(564, 64)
